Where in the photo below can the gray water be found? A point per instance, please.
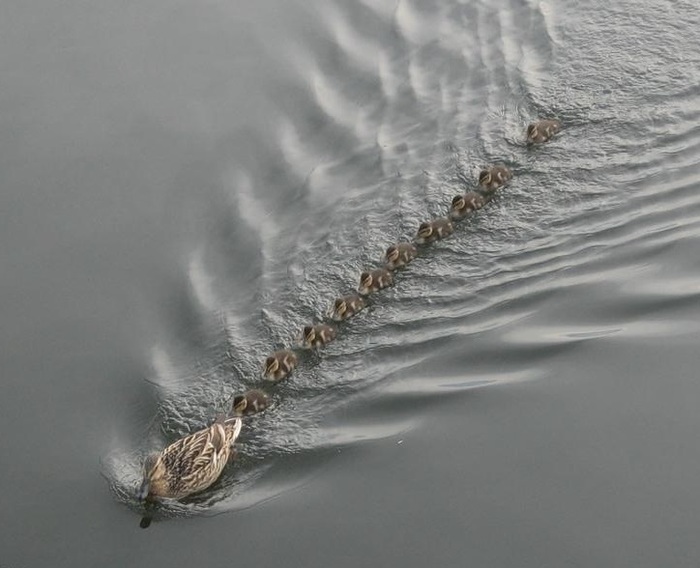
(184, 186)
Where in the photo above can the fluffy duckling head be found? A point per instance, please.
(485, 177)
(458, 203)
(272, 365)
(392, 254)
(365, 281)
(531, 131)
(340, 307)
(425, 230)
(309, 334)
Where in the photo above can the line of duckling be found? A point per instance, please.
(193, 463)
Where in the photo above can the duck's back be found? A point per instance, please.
(196, 461)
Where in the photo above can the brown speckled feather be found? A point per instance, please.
(194, 462)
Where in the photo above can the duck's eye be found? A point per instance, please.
(457, 201)
(484, 176)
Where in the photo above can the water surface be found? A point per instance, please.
(185, 186)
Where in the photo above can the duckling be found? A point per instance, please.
(374, 281)
(493, 177)
(542, 130)
(280, 364)
(348, 306)
(462, 205)
(316, 336)
(191, 464)
(249, 402)
(399, 255)
(434, 230)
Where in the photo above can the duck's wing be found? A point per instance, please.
(192, 452)
(233, 429)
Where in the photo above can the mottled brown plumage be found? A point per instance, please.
(542, 130)
(191, 464)
(434, 230)
(399, 255)
(280, 364)
(462, 205)
(250, 402)
(374, 281)
(347, 306)
(493, 177)
(315, 336)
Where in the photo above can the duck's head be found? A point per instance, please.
(458, 202)
(151, 474)
(272, 365)
(365, 280)
(340, 307)
(531, 131)
(392, 253)
(309, 333)
(425, 230)
(485, 177)
(240, 404)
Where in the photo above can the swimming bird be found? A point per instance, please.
(493, 177)
(542, 130)
(399, 255)
(462, 205)
(434, 230)
(374, 281)
(249, 402)
(346, 307)
(280, 364)
(315, 336)
(191, 464)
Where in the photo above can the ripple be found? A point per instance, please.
(395, 108)
(420, 25)
(550, 335)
